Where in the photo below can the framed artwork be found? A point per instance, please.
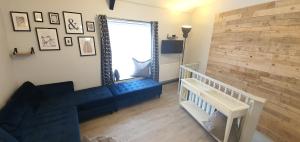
(68, 41)
(73, 22)
(38, 16)
(90, 26)
(87, 46)
(47, 39)
(54, 18)
(20, 21)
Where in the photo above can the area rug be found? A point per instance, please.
(98, 139)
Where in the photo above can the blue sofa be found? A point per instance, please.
(37, 114)
(52, 112)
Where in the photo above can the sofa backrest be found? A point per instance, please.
(57, 89)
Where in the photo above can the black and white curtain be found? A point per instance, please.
(155, 52)
(106, 58)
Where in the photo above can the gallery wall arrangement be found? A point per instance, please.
(48, 38)
(257, 49)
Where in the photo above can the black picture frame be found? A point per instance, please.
(50, 18)
(37, 36)
(79, 45)
(66, 26)
(35, 18)
(13, 23)
(87, 26)
(66, 42)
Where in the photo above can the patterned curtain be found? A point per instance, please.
(106, 58)
(155, 52)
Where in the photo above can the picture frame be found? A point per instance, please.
(90, 26)
(73, 22)
(68, 41)
(54, 18)
(20, 21)
(87, 46)
(38, 16)
(47, 39)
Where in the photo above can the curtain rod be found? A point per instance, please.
(130, 20)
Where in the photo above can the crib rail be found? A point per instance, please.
(248, 124)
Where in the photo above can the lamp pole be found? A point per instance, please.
(185, 30)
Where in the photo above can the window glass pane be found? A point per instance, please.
(129, 40)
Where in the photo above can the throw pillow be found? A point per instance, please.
(141, 69)
(217, 124)
(25, 99)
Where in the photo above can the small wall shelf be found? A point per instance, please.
(15, 53)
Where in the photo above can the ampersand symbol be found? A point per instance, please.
(72, 25)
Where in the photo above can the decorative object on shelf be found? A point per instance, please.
(173, 37)
(87, 46)
(90, 26)
(47, 39)
(185, 30)
(20, 21)
(54, 18)
(38, 16)
(68, 41)
(73, 22)
(16, 53)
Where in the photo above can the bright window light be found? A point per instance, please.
(129, 40)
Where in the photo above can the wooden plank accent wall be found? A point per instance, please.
(257, 49)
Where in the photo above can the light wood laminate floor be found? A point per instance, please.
(158, 120)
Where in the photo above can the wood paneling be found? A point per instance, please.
(257, 49)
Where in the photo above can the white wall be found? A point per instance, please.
(6, 78)
(203, 22)
(55, 66)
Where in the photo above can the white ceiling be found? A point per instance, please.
(155, 3)
(182, 5)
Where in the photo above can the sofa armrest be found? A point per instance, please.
(57, 89)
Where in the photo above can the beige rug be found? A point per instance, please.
(98, 139)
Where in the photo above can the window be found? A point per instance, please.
(129, 40)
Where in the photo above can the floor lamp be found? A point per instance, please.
(185, 30)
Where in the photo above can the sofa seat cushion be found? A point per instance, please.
(6, 137)
(133, 92)
(94, 102)
(52, 126)
(135, 86)
(90, 97)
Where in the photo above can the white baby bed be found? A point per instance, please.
(247, 123)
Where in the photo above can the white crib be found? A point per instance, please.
(201, 95)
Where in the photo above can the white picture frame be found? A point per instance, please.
(87, 46)
(73, 22)
(38, 16)
(47, 39)
(20, 21)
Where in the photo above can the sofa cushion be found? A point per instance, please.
(26, 98)
(135, 86)
(6, 137)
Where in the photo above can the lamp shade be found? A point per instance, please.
(185, 30)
